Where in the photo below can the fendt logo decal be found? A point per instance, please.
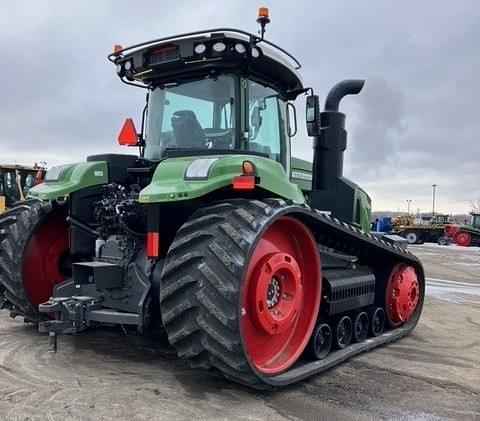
(301, 176)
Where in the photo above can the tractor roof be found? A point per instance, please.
(170, 59)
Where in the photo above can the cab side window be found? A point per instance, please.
(265, 121)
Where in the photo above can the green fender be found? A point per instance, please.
(63, 180)
(173, 181)
(470, 229)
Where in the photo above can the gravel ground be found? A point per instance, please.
(432, 374)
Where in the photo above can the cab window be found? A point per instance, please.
(267, 116)
(198, 114)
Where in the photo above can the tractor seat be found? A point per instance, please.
(187, 130)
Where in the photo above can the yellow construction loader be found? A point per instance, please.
(16, 181)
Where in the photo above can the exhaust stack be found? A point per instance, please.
(330, 190)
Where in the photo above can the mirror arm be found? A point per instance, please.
(141, 140)
(292, 95)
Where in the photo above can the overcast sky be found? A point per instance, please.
(415, 124)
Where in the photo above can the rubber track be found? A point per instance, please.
(201, 284)
(16, 226)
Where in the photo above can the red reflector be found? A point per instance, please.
(244, 182)
(164, 49)
(128, 135)
(153, 245)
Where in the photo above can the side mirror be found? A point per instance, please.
(128, 135)
(313, 115)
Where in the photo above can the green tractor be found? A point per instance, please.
(469, 234)
(253, 263)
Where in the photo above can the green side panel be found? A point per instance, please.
(471, 229)
(364, 210)
(170, 182)
(72, 177)
(301, 173)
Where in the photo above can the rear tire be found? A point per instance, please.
(412, 237)
(444, 241)
(28, 268)
(213, 280)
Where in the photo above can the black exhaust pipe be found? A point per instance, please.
(330, 191)
(341, 89)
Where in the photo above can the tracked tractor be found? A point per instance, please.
(253, 263)
(468, 234)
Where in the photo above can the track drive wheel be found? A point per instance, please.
(402, 295)
(34, 251)
(462, 239)
(240, 290)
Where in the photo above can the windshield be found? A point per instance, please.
(197, 114)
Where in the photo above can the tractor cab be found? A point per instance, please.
(440, 219)
(475, 222)
(228, 92)
(216, 91)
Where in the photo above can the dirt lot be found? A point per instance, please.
(432, 374)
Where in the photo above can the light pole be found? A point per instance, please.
(433, 201)
(409, 201)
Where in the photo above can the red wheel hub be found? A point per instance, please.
(43, 257)
(463, 238)
(403, 293)
(281, 296)
(278, 293)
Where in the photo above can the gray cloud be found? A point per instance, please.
(380, 120)
(414, 124)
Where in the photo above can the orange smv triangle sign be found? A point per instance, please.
(128, 135)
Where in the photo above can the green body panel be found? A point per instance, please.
(471, 229)
(169, 184)
(474, 226)
(301, 174)
(72, 178)
(364, 210)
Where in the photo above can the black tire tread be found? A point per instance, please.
(201, 318)
(16, 227)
